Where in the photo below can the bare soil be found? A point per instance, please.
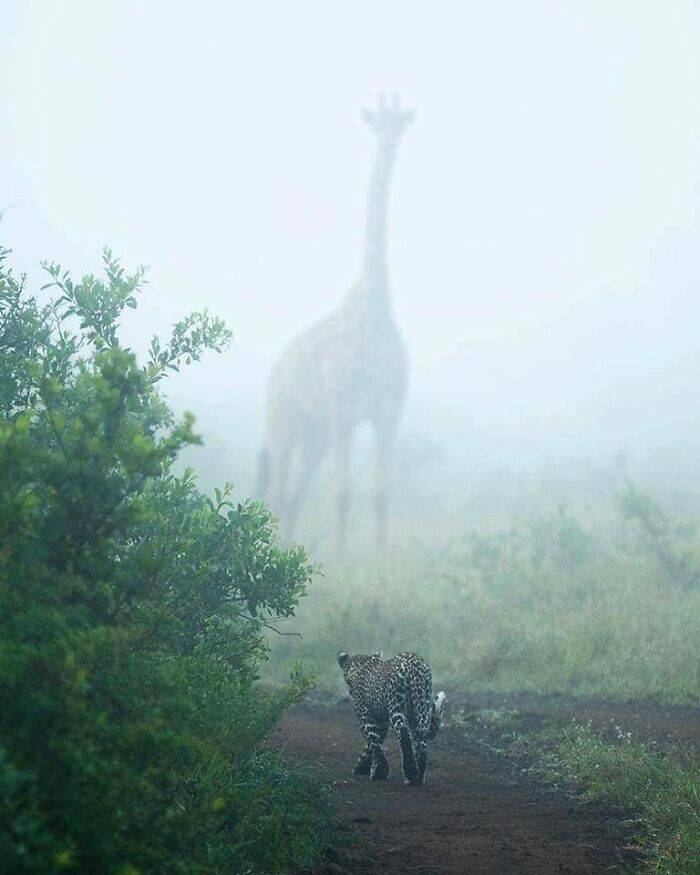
(674, 728)
(476, 813)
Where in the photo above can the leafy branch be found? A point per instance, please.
(190, 337)
(96, 303)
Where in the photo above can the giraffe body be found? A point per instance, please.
(347, 369)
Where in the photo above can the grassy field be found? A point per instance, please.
(551, 604)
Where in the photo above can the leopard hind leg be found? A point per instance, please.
(380, 768)
(364, 764)
(421, 753)
(400, 726)
(373, 761)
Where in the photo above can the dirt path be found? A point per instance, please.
(474, 814)
(671, 727)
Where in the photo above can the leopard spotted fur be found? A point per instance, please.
(398, 693)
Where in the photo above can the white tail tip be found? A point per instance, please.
(440, 700)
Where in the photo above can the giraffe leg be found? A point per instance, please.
(342, 494)
(310, 457)
(263, 474)
(382, 473)
(280, 461)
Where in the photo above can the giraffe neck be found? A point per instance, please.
(375, 268)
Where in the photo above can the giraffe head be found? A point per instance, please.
(388, 121)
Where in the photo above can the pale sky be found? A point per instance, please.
(545, 233)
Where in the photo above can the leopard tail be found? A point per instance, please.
(421, 691)
(427, 710)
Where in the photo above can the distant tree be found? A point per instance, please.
(132, 610)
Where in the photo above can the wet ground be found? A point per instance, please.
(670, 727)
(477, 813)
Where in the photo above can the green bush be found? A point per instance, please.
(132, 609)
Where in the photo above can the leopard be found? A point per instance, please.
(395, 692)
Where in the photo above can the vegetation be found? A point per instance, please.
(137, 613)
(132, 609)
(659, 795)
(550, 604)
(665, 541)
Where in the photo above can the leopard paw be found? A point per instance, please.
(363, 767)
(380, 770)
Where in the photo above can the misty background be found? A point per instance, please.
(544, 226)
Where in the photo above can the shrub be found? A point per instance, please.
(131, 611)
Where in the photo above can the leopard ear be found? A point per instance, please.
(343, 659)
(379, 654)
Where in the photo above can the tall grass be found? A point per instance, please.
(547, 606)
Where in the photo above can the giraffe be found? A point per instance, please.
(347, 369)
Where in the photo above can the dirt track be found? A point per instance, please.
(670, 727)
(475, 814)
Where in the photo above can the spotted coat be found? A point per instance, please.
(398, 693)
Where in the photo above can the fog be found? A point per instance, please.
(544, 226)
